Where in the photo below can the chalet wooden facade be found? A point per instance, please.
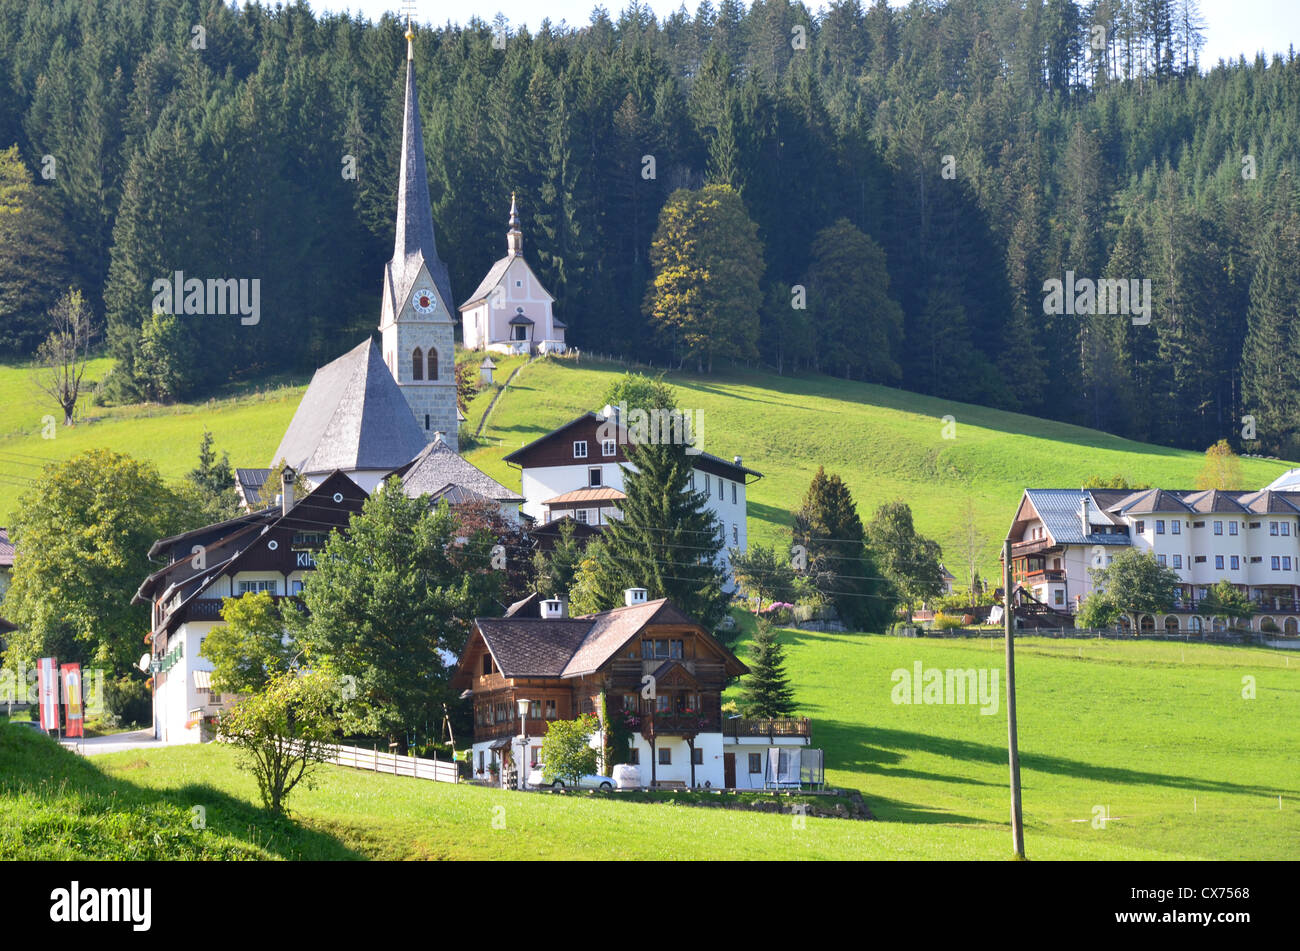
(271, 550)
(657, 668)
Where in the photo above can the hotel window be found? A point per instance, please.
(1198, 524)
(487, 664)
(697, 756)
(297, 587)
(1160, 560)
(719, 488)
(692, 481)
(534, 709)
(1160, 526)
(581, 516)
(1218, 528)
(1286, 562)
(662, 703)
(1275, 563)
(550, 710)
(253, 587)
(536, 752)
(1176, 527)
(1141, 527)
(634, 757)
(675, 649)
(733, 493)
(609, 447)
(1234, 562)
(629, 701)
(1272, 528)
(665, 756)
(593, 477)
(1254, 525)
(1178, 561)
(1060, 596)
(1218, 562)
(580, 449)
(708, 495)
(735, 534)
(1286, 528)
(1232, 528)
(755, 762)
(1199, 559)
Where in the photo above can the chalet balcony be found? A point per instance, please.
(1044, 574)
(680, 724)
(1034, 546)
(506, 728)
(207, 609)
(800, 726)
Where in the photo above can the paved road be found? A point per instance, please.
(115, 743)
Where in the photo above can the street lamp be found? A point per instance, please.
(523, 741)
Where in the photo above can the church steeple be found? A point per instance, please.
(514, 237)
(416, 322)
(413, 242)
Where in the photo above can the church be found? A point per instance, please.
(382, 409)
(377, 407)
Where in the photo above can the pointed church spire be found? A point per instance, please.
(514, 237)
(414, 240)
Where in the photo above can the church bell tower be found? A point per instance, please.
(416, 317)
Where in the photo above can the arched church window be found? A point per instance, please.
(433, 364)
(417, 365)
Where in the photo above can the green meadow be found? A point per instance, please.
(1129, 751)
(885, 443)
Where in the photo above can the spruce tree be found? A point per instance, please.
(667, 541)
(766, 690)
(828, 534)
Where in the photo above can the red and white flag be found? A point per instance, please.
(72, 697)
(48, 692)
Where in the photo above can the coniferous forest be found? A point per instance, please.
(915, 175)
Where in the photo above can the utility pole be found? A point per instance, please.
(1013, 746)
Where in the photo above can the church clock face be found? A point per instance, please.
(424, 301)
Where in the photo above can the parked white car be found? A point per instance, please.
(538, 778)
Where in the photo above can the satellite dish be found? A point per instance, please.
(143, 663)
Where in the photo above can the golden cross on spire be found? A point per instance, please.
(409, 6)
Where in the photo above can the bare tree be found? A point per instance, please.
(972, 543)
(61, 359)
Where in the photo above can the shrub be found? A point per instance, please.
(945, 622)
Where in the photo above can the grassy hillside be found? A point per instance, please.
(1157, 734)
(885, 443)
(247, 423)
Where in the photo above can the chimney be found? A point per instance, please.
(634, 596)
(286, 490)
(1083, 515)
(735, 460)
(553, 609)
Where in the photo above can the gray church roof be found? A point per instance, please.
(490, 280)
(439, 467)
(413, 243)
(352, 417)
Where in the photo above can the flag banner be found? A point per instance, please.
(48, 689)
(72, 698)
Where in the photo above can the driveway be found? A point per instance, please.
(113, 744)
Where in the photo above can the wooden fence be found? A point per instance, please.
(437, 770)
